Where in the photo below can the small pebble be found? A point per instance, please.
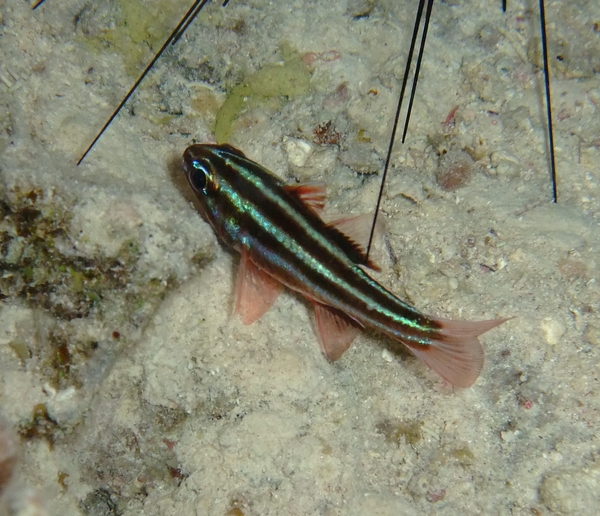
(455, 170)
(571, 491)
(298, 151)
(553, 330)
(386, 354)
(592, 335)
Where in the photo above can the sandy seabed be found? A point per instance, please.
(126, 385)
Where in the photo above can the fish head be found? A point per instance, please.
(212, 172)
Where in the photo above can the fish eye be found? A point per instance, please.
(197, 176)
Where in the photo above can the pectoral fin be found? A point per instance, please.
(255, 291)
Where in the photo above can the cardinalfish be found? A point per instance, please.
(284, 241)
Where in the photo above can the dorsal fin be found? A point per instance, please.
(350, 232)
(357, 229)
(312, 194)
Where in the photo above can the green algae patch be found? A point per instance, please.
(397, 432)
(282, 81)
(39, 267)
(40, 426)
(21, 350)
(76, 301)
(463, 456)
(134, 29)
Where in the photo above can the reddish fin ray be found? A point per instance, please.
(457, 356)
(312, 194)
(255, 291)
(335, 331)
(357, 228)
(354, 230)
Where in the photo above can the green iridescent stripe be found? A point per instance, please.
(309, 263)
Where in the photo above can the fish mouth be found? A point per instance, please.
(186, 168)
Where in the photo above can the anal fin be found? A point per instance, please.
(334, 330)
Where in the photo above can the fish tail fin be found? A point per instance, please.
(456, 354)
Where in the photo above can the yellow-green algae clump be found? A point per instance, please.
(397, 432)
(285, 80)
(134, 29)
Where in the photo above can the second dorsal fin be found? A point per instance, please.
(357, 229)
(351, 232)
